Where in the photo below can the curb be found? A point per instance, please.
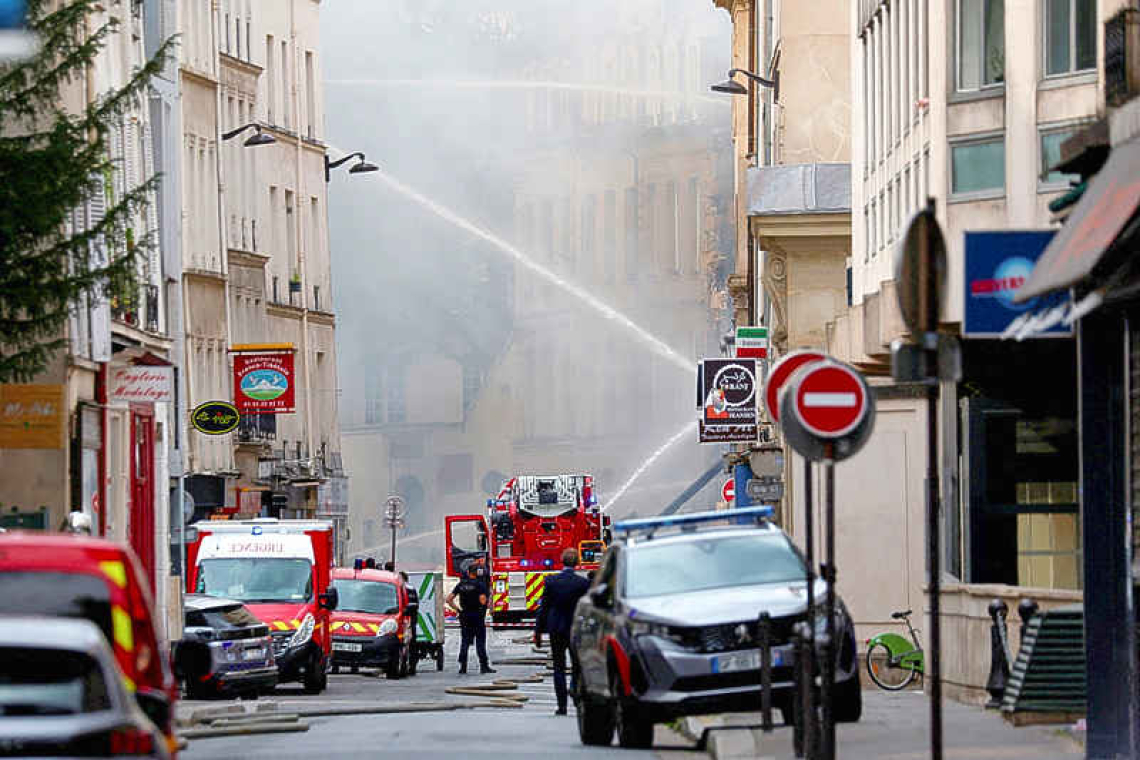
(722, 742)
(243, 730)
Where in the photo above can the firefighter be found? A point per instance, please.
(472, 618)
(559, 598)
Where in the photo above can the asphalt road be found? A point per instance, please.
(530, 732)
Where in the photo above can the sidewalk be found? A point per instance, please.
(895, 726)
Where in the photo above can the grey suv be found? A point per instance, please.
(669, 626)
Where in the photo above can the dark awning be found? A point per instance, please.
(1110, 201)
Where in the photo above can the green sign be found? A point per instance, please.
(215, 418)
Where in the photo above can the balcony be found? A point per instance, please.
(257, 428)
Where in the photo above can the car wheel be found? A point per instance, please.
(316, 679)
(394, 669)
(633, 730)
(595, 721)
(848, 700)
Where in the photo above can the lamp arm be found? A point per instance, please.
(774, 83)
(339, 161)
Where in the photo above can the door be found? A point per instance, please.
(593, 627)
(141, 530)
(466, 541)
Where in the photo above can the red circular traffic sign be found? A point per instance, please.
(781, 371)
(830, 400)
(729, 490)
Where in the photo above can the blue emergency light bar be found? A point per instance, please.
(743, 515)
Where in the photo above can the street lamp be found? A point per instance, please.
(360, 167)
(732, 87)
(257, 138)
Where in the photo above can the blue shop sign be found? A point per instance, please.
(998, 262)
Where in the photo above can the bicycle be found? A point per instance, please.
(892, 661)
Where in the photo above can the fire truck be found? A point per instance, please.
(521, 537)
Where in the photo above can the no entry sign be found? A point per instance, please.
(830, 400)
(783, 370)
(729, 490)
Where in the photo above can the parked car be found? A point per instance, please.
(61, 694)
(374, 622)
(669, 626)
(224, 650)
(80, 577)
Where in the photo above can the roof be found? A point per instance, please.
(799, 189)
(377, 576)
(73, 634)
(200, 602)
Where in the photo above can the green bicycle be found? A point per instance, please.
(892, 661)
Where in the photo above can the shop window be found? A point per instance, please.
(978, 166)
(1070, 36)
(980, 43)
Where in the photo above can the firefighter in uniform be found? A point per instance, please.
(472, 611)
(559, 598)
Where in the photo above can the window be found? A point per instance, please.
(977, 166)
(609, 235)
(270, 80)
(311, 94)
(1070, 36)
(1051, 156)
(981, 43)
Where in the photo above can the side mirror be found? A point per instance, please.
(329, 600)
(155, 705)
(600, 596)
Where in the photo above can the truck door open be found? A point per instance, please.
(466, 540)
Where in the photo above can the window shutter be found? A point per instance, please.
(99, 309)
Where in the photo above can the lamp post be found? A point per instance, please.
(732, 87)
(257, 138)
(360, 167)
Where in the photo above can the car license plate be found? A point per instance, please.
(729, 663)
(253, 654)
(344, 646)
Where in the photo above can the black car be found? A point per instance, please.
(669, 626)
(224, 650)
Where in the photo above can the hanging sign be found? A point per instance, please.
(728, 411)
(215, 418)
(998, 263)
(31, 416)
(263, 381)
(752, 343)
(142, 383)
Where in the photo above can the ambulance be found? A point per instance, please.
(280, 570)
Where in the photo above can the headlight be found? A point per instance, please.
(819, 619)
(659, 630)
(387, 628)
(305, 632)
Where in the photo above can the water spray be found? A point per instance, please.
(687, 430)
(527, 84)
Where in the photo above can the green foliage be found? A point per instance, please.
(52, 161)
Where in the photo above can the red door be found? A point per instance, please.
(142, 487)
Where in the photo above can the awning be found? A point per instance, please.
(1110, 201)
(1057, 309)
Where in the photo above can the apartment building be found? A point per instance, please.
(256, 255)
(967, 103)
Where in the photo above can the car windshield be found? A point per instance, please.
(56, 594)
(256, 579)
(714, 562)
(221, 618)
(35, 681)
(366, 596)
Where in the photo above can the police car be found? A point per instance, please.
(670, 625)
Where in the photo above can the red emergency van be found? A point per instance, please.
(374, 624)
(101, 581)
(279, 569)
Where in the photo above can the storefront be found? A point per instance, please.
(1094, 260)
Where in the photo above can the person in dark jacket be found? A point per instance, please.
(555, 615)
(472, 611)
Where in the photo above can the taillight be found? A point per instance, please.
(131, 741)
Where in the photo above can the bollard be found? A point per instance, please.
(764, 628)
(804, 706)
(1026, 608)
(999, 664)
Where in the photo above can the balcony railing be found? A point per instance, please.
(1122, 57)
(257, 428)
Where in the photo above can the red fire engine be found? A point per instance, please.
(522, 536)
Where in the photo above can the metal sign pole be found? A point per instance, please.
(929, 291)
(829, 603)
(810, 732)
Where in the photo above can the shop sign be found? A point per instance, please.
(997, 264)
(263, 382)
(728, 410)
(215, 418)
(142, 383)
(31, 416)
